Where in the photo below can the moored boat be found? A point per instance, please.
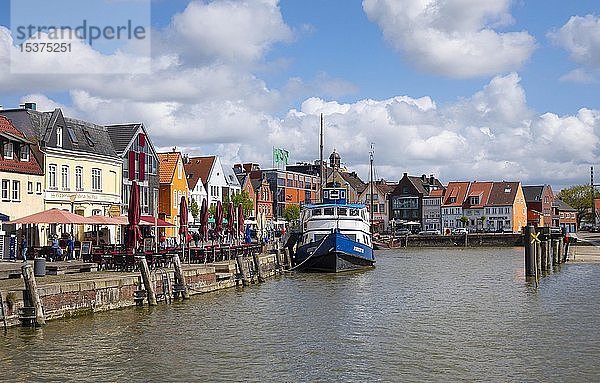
(336, 235)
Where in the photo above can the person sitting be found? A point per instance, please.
(56, 249)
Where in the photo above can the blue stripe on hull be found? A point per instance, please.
(336, 253)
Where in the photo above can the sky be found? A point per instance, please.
(461, 89)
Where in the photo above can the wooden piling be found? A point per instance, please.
(145, 271)
(239, 260)
(32, 292)
(256, 260)
(180, 278)
(529, 251)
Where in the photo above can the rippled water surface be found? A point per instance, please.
(420, 315)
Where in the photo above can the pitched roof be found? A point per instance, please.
(198, 168)
(230, 177)
(562, 205)
(533, 193)
(456, 190)
(121, 135)
(167, 164)
(16, 165)
(354, 180)
(436, 193)
(481, 190)
(503, 193)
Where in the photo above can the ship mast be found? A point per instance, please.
(371, 182)
(321, 161)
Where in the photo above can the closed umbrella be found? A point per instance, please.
(134, 235)
(204, 221)
(230, 219)
(219, 220)
(240, 222)
(247, 237)
(183, 223)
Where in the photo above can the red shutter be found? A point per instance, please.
(131, 165)
(142, 139)
(142, 166)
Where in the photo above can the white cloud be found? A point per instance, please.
(452, 38)
(580, 36)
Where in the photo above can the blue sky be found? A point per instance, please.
(463, 89)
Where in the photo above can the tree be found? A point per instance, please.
(482, 219)
(579, 197)
(194, 209)
(244, 199)
(464, 220)
(291, 213)
(212, 210)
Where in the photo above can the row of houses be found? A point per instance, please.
(49, 160)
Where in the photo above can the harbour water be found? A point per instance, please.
(420, 315)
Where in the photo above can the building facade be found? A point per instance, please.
(539, 200)
(406, 200)
(173, 185)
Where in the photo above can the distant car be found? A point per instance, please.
(429, 232)
(460, 231)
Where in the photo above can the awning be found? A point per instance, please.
(148, 219)
(4, 217)
(52, 216)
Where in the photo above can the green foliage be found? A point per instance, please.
(226, 202)
(194, 209)
(211, 211)
(291, 213)
(579, 197)
(464, 220)
(244, 199)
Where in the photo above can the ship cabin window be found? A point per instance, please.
(353, 212)
(328, 211)
(316, 212)
(342, 211)
(318, 237)
(351, 236)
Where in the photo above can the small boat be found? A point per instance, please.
(336, 235)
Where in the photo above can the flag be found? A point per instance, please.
(280, 156)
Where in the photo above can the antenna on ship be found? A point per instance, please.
(321, 160)
(371, 182)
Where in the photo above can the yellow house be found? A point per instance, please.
(173, 185)
(506, 209)
(82, 170)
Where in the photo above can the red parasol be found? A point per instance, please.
(134, 235)
(230, 219)
(52, 216)
(219, 220)
(183, 219)
(204, 221)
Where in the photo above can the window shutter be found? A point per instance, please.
(142, 166)
(131, 165)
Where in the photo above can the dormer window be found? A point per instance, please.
(507, 189)
(474, 200)
(24, 153)
(72, 136)
(8, 150)
(59, 133)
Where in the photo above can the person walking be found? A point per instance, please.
(24, 248)
(70, 248)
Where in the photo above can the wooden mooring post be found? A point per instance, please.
(257, 267)
(145, 271)
(33, 295)
(239, 260)
(180, 286)
(529, 251)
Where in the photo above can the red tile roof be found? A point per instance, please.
(168, 162)
(457, 190)
(198, 168)
(481, 190)
(15, 165)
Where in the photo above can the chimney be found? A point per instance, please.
(423, 177)
(431, 179)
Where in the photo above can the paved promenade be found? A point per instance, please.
(587, 248)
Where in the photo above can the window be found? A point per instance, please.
(29, 187)
(8, 150)
(5, 189)
(65, 177)
(78, 178)
(96, 179)
(72, 136)
(16, 190)
(179, 170)
(59, 137)
(38, 188)
(174, 199)
(52, 176)
(24, 153)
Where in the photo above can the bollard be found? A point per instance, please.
(32, 292)
(145, 271)
(529, 251)
(180, 278)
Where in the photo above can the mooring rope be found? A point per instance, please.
(310, 256)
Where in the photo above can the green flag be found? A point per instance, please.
(280, 156)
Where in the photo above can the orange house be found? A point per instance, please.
(173, 185)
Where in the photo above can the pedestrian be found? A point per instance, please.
(196, 237)
(163, 242)
(56, 250)
(70, 248)
(24, 248)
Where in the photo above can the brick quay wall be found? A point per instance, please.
(72, 295)
(472, 240)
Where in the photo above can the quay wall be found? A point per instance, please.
(472, 240)
(85, 296)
